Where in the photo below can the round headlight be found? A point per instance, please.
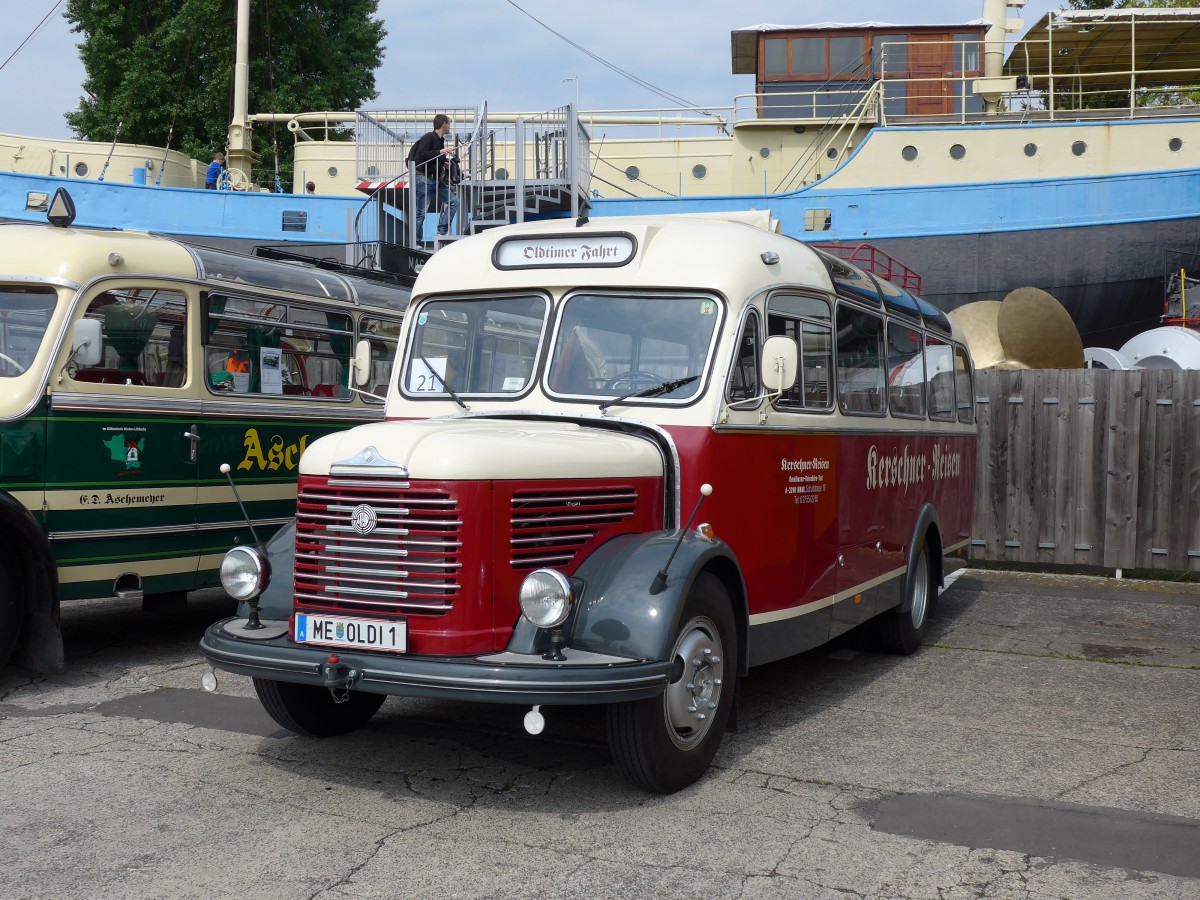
(546, 598)
(244, 573)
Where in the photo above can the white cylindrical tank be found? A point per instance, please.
(1103, 358)
(1168, 347)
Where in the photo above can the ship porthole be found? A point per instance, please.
(81, 169)
(958, 151)
(632, 173)
(832, 153)
(699, 171)
(909, 153)
(1031, 150)
(764, 152)
(1079, 148)
(333, 171)
(1175, 144)
(502, 174)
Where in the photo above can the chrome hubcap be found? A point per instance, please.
(920, 591)
(691, 701)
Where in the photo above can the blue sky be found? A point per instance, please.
(461, 54)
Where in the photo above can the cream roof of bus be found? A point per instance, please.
(722, 253)
(77, 255)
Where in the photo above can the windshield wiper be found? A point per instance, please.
(657, 391)
(449, 390)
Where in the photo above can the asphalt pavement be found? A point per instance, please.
(1044, 744)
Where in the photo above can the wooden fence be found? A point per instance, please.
(1092, 467)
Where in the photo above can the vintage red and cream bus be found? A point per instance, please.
(623, 462)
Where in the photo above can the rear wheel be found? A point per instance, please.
(11, 606)
(902, 629)
(665, 743)
(311, 710)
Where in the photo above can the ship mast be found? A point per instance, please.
(996, 12)
(240, 151)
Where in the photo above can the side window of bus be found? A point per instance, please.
(859, 361)
(906, 370)
(255, 346)
(384, 335)
(744, 383)
(963, 386)
(806, 320)
(144, 334)
(939, 367)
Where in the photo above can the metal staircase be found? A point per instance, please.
(514, 168)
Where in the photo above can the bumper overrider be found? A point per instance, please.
(581, 677)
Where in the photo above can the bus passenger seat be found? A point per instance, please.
(110, 376)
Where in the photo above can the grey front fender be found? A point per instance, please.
(616, 613)
(276, 601)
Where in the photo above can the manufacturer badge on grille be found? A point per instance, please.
(363, 519)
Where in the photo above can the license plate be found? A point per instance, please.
(364, 634)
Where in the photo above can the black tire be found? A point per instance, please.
(12, 607)
(665, 743)
(310, 710)
(902, 629)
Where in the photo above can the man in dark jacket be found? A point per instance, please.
(432, 160)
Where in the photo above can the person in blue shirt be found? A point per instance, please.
(214, 171)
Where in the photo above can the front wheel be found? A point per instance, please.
(665, 743)
(306, 709)
(11, 607)
(902, 629)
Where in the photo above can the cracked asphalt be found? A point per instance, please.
(1044, 744)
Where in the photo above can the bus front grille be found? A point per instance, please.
(548, 528)
(372, 547)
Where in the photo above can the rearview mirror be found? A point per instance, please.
(86, 342)
(780, 363)
(361, 362)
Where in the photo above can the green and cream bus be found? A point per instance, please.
(131, 368)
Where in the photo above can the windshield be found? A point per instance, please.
(622, 345)
(473, 347)
(24, 316)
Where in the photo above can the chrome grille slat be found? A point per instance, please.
(376, 485)
(344, 583)
(354, 540)
(519, 522)
(419, 604)
(317, 499)
(575, 537)
(560, 499)
(406, 560)
(534, 561)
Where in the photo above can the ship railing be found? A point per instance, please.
(830, 102)
(1042, 81)
(383, 138)
(874, 260)
(832, 143)
(511, 168)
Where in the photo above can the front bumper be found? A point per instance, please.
(525, 679)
